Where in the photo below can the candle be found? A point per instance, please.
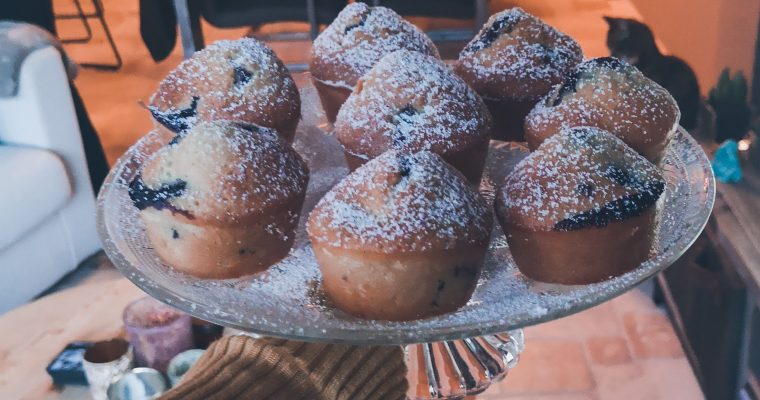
(157, 332)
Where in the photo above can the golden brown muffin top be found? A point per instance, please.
(230, 79)
(410, 102)
(579, 178)
(358, 38)
(221, 173)
(612, 95)
(402, 203)
(517, 56)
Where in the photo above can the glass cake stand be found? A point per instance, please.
(448, 356)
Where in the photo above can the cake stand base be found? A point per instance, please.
(458, 368)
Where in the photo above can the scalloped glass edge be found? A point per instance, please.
(442, 327)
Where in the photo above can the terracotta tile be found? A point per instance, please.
(599, 321)
(633, 300)
(549, 366)
(624, 381)
(651, 335)
(673, 379)
(608, 350)
(579, 396)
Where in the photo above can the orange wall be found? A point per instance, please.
(709, 34)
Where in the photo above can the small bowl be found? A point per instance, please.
(138, 384)
(181, 363)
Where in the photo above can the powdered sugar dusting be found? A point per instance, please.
(410, 101)
(619, 99)
(231, 171)
(358, 38)
(402, 203)
(287, 300)
(233, 79)
(517, 56)
(577, 172)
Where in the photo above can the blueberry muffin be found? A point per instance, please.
(609, 94)
(402, 237)
(512, 62)
(239, 80)
(223, 200)
(357, 39)
(410, 102)
(581, 208)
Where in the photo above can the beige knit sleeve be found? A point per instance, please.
(240, 367)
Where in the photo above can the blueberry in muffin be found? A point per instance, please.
(223, 201)
(581, 208)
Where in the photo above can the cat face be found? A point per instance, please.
(629, 40)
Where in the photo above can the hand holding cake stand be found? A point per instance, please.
(449, 356)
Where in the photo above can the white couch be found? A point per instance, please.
(47, 205)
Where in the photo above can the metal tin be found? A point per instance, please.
(138, 384)
(105, 362)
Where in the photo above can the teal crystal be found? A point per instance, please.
(726, 164)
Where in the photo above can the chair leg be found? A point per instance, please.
(311, 12)
(481, 13)
(80, 15)
(190, 30)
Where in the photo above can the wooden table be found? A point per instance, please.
(713, 293)
(31, 335)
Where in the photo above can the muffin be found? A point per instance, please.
(357, 39)
(512, 62)
(581, 208)
(403, 237)
(239, 80)
(223, 200)
(612, 95)
(410, 102)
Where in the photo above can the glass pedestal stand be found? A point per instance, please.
(457, 368)
(288, 300)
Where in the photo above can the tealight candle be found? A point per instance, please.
(157, 332)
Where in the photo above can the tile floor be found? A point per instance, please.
(623, 349)
(113, 99)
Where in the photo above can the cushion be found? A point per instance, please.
(34, 185)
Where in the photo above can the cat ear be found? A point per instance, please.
(620, 25)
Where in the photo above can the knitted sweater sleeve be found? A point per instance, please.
(241, 367)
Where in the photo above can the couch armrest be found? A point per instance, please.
(42, 114)
(34, 186)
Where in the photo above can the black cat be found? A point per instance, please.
(633, 41)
